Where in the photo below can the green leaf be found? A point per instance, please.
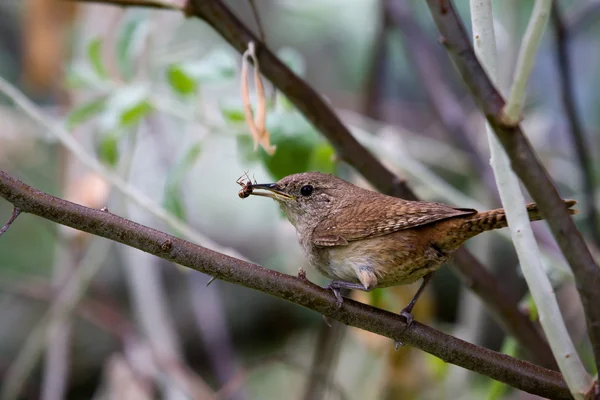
(125, 108)
(95, 58)
(293, 152)
(233, 115)
(85, 112)
(180, 81)
(108, 150)
(217, 65)
(133, 115)
(131, 40)
(172, 198)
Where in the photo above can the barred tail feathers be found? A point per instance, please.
(496, 219)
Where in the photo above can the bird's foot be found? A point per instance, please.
(408, 317)
(338, 295)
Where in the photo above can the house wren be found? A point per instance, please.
(365, 240)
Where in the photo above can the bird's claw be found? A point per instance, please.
(408, 317)
(338, 296)
(397, 344)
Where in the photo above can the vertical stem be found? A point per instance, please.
(529, 47)
(513, 201)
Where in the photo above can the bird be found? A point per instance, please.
(362, 239)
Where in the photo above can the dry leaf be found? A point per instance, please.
(256, 124)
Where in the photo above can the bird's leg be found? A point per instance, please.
(335, 286)
(407, 311)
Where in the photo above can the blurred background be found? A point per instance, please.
(139, 111)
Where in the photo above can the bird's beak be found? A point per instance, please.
(269, 190)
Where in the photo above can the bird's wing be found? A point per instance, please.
(358, 219)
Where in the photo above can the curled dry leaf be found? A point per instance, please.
(256, 123)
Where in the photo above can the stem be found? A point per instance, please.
(526, 59)
(517, 373)
(518, 220)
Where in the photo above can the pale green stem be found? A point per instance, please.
(569, 363)
(531, 42)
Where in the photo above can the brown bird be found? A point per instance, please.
(365, 240)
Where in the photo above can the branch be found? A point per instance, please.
(12, 218)
(310, 103)
(517, 373)
(525, 163)
(576, 131)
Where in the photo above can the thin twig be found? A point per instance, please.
(526, 164)
(517, 373)
(12, 218)
(563, 60)
(259, 26)
(160, 4)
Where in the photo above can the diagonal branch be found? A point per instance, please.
(517, 373)
(563, 61)
(525, 163)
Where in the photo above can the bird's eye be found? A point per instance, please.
(306, 190)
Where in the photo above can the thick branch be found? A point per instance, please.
(567, 90)
(517, 373)
(321, 115)
(525, 163)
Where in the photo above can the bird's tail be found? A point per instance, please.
(496, 219)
